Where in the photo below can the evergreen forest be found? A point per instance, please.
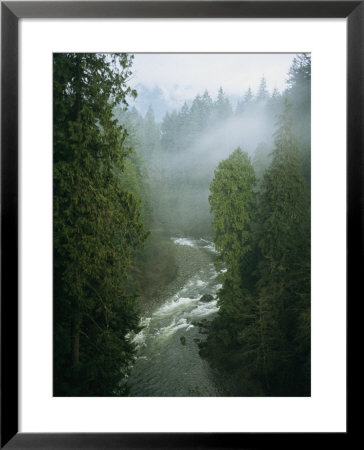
(181, 246)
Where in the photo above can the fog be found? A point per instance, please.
(216, 143)
(181, 77)
(182, 151)
(189, 172)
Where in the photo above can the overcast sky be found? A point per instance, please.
(182, 76)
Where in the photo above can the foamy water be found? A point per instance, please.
(167, 345)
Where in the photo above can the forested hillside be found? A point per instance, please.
(261, 336)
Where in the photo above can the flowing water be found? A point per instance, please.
(168, 361)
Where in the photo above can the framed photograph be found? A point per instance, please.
(181, 205)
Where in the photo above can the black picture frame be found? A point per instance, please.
(11, 12)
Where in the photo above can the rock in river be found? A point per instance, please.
(183, 340)
(206, 298)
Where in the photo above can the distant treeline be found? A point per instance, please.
(182, 152)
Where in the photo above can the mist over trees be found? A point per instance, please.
(261, 335)
(125, 183)
(183, 151)
(242, 176)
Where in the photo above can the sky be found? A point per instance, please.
(183, 76)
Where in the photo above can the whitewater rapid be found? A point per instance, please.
(168, 361)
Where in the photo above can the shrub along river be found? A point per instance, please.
(168, 361)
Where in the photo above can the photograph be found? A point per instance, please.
(181, 224)
(181, 197)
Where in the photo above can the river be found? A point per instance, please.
(168, 361)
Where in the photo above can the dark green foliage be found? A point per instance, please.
(231, 201)
(282, 206)
(299, 96)
(104, 192)
(97, 226)
(260, 339)
(285, 246)
(261, 336)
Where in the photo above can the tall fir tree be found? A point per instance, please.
(232, 203)
(284, 271)
(283, 201)
(97, 226)
(262, 94)
(222, 106)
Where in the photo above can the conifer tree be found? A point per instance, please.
(231, 201)
(284, 271)
(97, 226)
(222, 106)
(262, 94)
(261, 335)
(248, 96)
(299, 95)
(283, 202)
